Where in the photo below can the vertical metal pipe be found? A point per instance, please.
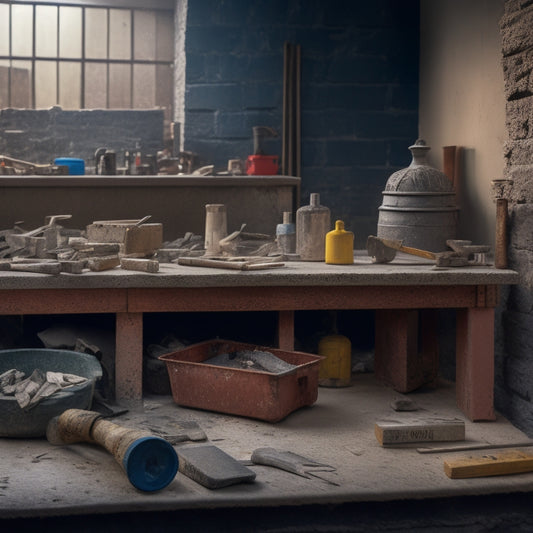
(285, 127)
(298, 112)
(500, 249)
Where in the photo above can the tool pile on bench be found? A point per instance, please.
(103, 245)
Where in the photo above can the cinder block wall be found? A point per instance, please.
(514, 372)
(359, 95)
(41, 135)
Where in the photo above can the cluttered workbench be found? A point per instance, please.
(397, 291)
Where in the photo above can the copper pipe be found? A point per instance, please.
(500, 249)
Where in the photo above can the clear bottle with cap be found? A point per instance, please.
(312, 224)
(286, 234)
(339, 245)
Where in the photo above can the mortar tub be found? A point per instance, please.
(19, 423)
(249, 393)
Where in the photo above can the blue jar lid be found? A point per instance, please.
(151, 463)
(75, 165)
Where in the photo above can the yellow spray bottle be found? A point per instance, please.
(339, 245)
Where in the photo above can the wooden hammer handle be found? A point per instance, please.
(417, 252)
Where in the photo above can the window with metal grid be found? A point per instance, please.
(86, 56)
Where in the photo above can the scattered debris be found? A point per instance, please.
(29, 391)
(251, 360)
(404, 404)
(190, 245)
(240, 243)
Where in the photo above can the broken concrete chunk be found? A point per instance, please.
(77, 241)
(140, 265)
(419, 430)
(109, 230)
(73, 267)
(97, 248)
(404, 404)
(145, 239)
(98, 264)
(53, 268)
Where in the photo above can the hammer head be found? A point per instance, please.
(378, 251)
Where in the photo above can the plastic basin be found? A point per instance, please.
(17, 422)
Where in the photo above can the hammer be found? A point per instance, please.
(150, 462)
(384, 251)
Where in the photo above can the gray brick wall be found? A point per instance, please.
(41, 135)
(514, 371)
(359, 91)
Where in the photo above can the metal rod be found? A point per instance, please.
(467, 447)
(284, 147)
(298, 112)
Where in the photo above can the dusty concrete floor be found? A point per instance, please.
(40, 482)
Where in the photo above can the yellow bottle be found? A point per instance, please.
(339, 245)
(336, 369)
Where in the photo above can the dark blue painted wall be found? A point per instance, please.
(359, 91)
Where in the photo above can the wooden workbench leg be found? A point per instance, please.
(286, 330)
(129, 356)
(406, 348)
(475, 362)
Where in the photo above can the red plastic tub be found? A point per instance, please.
(251, 393)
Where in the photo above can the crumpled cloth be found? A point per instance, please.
(30, 391)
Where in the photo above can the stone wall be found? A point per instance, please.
(41, 135)
(514, 383)
(359, 91)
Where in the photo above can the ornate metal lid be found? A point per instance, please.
(419, 177)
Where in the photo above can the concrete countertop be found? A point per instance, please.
(405, 270)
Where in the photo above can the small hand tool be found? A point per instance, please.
(291, 462)
(384, 251)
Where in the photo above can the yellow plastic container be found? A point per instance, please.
(336, 369)
(339, 245)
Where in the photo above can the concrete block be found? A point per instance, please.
(98, 264)
(139, 265)
(144, 239)
(73, 267)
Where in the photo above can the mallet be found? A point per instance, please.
(150, 462)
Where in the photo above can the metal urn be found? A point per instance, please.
(419, 205)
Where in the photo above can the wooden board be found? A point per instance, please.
(494, 464)
(419, 430)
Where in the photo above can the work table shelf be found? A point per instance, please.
(405, 294)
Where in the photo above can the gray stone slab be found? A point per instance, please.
(38, 479)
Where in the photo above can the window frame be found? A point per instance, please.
(157, 6)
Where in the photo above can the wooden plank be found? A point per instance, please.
(289, 298)
(128, 357)
(497, 464)
(419, 430)
(62, 301)
(475, 362)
